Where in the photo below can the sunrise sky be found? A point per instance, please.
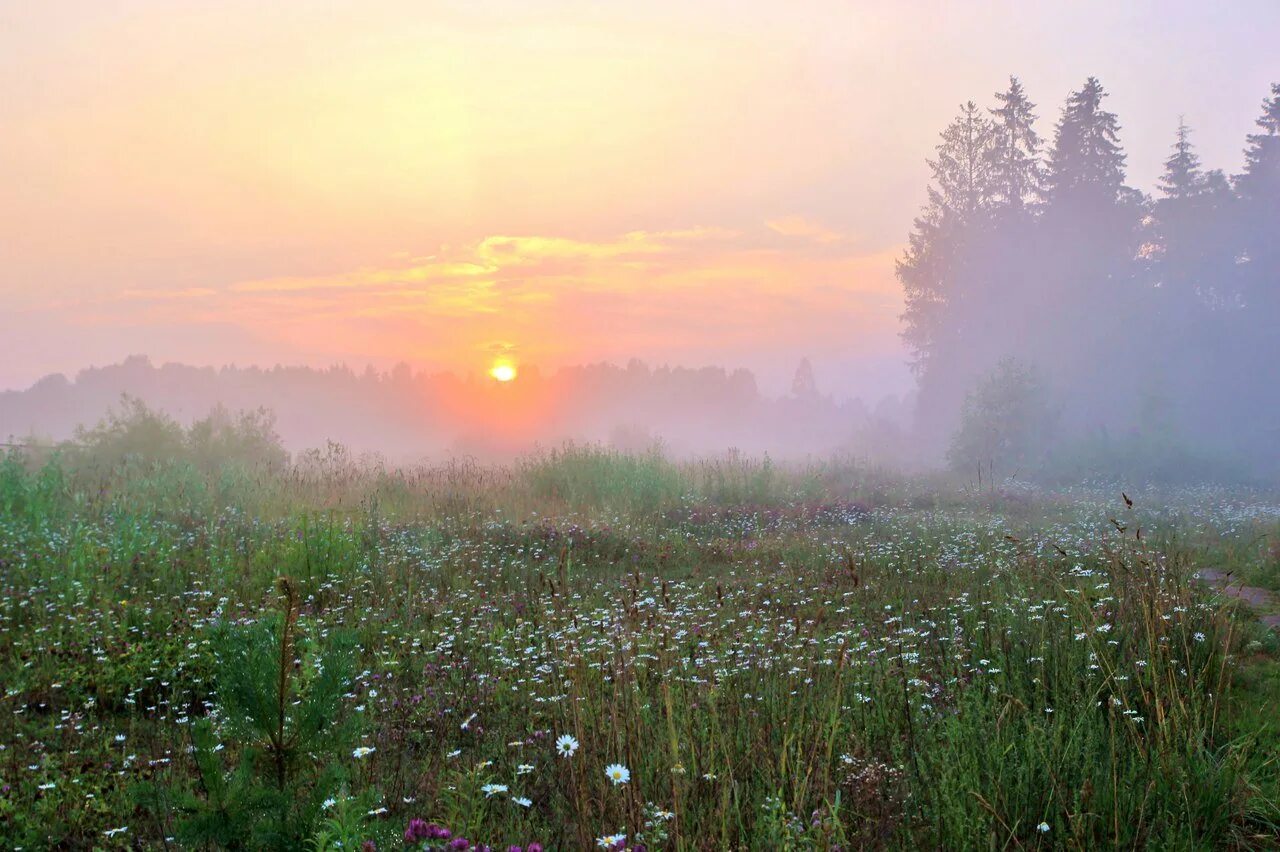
(550, 182)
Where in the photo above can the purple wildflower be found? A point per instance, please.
(417, 830)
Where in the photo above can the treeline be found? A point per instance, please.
(1039, 284)
(405, 415)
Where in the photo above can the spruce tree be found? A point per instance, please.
(281, 714)
(1181, 178)
(935, 253)
(1259, 190)
(1086, 161)
(1016, 174)
(923, 273)
(943, 272)
(1087, 281)
(1258, 261)
(962, 168)
(1261, 179)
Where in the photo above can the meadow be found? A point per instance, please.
(585, 649)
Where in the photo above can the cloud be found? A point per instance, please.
(797, 226)
(698, 294)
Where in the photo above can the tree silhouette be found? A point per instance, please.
(1181, 176)
(1051, 259)
(1086, 159)
(803, 384)
(1016, 173)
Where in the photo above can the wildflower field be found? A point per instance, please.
(586, 649)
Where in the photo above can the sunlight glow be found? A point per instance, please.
(503, 371)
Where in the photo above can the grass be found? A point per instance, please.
(788, 658)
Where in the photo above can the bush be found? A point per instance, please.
(1005, 422)
(136, 437)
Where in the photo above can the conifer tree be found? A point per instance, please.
(1181, 178)
(962, 168)
(1258, 224)
(1086, 159)
(803, 384)
(1261, 178)
(935, 256)
(1016, 173)
(1259, 189)
(943, 270)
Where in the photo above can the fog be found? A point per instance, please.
(1096, 321)
(405, 416)
(1060, 322)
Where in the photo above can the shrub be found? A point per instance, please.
(1005, 421)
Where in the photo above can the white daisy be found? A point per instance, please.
(566, 745)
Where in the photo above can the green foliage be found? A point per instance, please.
(137, 438)
(280, 710)
(132, 434)
(736, 480)
(346, 823)
(1005, 423)
(877, 657)
(31, 488)
(578, 476)
(781, 829)
(247, 438)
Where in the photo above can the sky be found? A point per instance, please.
(561, 182)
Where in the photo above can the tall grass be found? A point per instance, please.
(806, 658)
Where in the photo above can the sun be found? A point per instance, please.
(503, 371)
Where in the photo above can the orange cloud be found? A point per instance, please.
(746, 297)
(704, 294)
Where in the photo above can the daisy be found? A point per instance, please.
(611, 840)
(522, 801)
(491, 790)
(566, 745)
(363, 751)
(617, 773)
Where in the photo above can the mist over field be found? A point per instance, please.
(753, 243)
(409, 418)
(665, 426)
(1057, 322)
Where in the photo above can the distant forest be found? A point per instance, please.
(1140, 321)
(405, 415)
